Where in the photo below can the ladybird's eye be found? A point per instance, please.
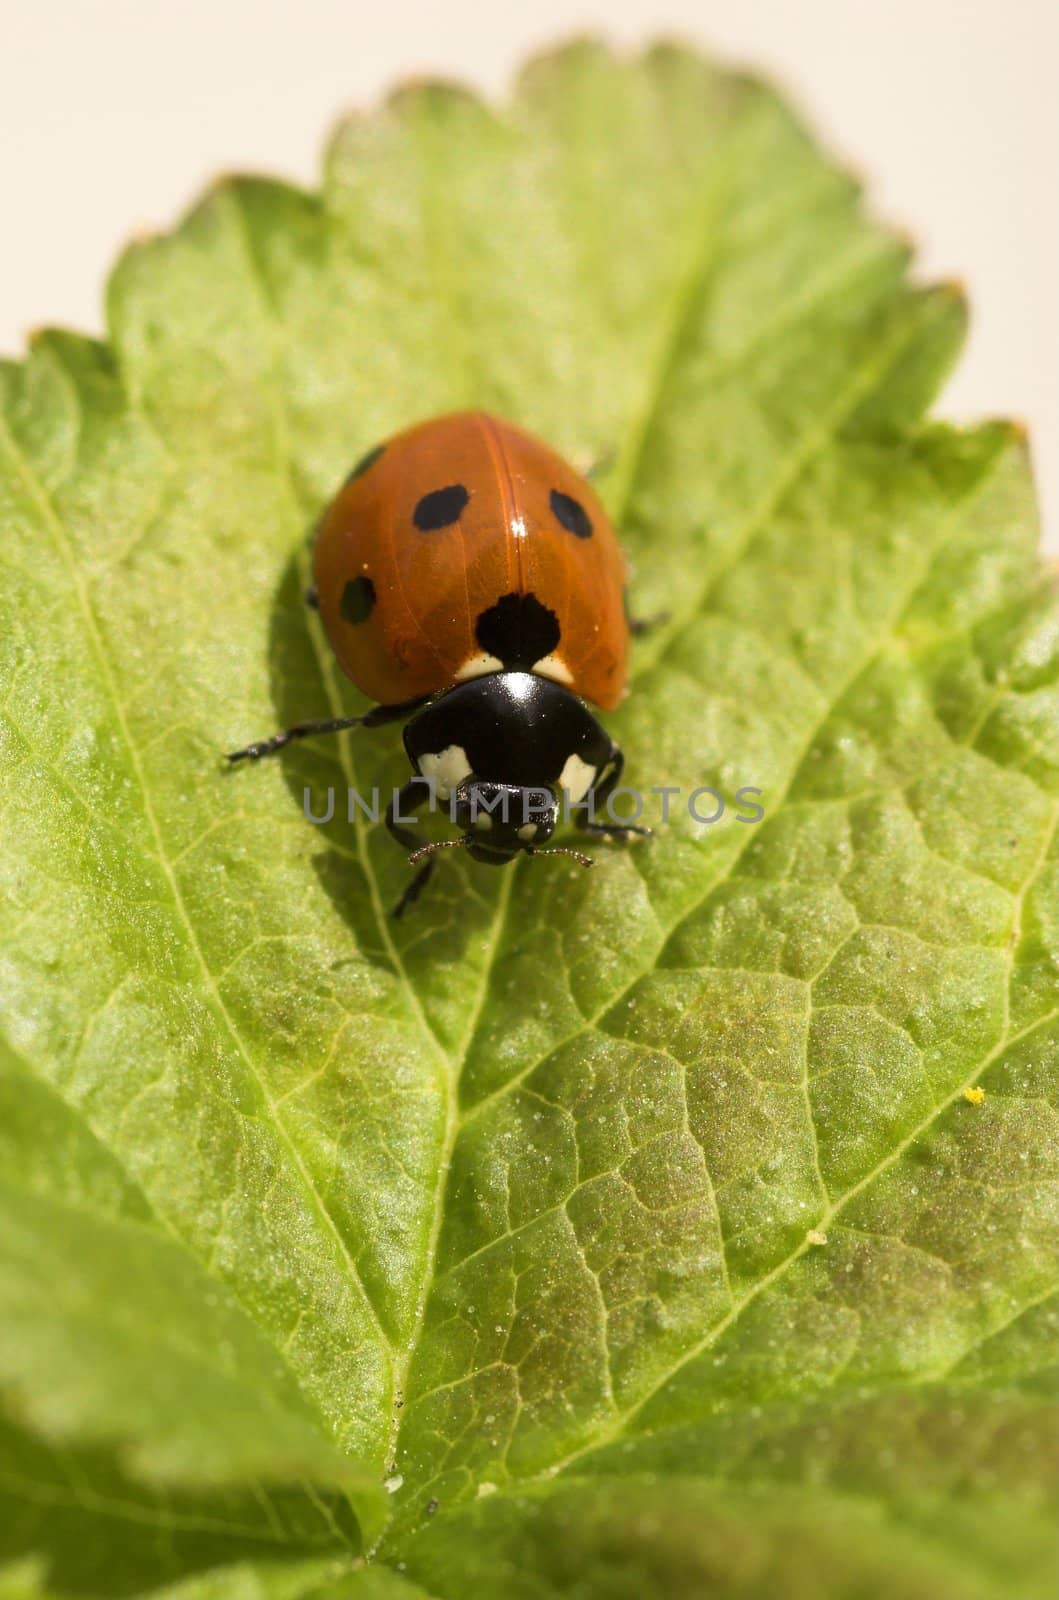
(440, 508)
(365, 462)
(358, 600)
(572, 514)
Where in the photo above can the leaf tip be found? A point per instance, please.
(954, 289)
(420, 89)
(577, 50)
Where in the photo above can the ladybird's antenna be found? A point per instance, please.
(561, 850)
(431, 849)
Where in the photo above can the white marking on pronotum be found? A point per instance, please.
(527, 832)
(552, 667)
(576, 778)
(447, 767)
(478, 666)
(483, 821)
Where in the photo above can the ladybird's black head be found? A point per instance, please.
(501, 819)
(501, 750)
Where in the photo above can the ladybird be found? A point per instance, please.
(469, 581)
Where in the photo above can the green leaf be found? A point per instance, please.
(619, 1233)
(277, 1580)
(181, 1374)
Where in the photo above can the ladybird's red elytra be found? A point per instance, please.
(470, 581)
(448, 521)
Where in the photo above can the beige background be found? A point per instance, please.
(113, 113)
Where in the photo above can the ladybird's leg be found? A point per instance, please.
(641, 625)
(415, 793)
(600, 466)
(305, 730)
(312, 599)
(600, 793)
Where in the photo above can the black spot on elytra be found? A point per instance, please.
(440, 508)
(572, 514)
(365, 462)
(518, 630)
(358, 600)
